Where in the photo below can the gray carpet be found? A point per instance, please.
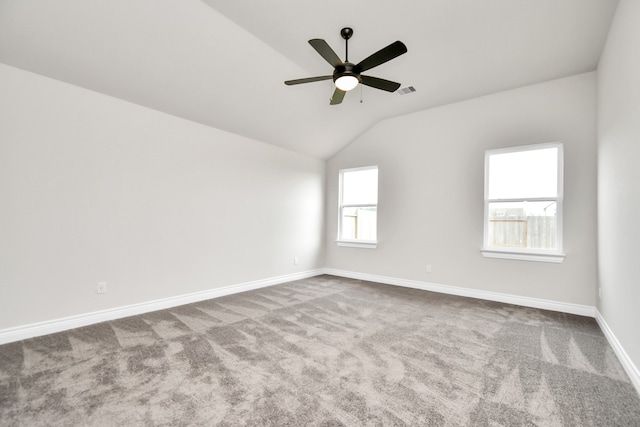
(323, 351)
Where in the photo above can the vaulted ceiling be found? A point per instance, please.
(222, 63)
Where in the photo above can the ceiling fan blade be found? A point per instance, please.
(338, 96)
(378, 83)
(307, 80)
(385, 54)
(326, 52)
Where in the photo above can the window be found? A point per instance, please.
(523, 203)
(358, 207)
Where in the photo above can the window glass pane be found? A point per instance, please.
(524, 174)
(359, 223)
(360, 187)
(530, 225)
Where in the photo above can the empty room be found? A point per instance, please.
(339, 213)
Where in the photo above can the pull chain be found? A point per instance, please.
(331, 91)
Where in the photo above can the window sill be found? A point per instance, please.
(357, 244)
(523, 256)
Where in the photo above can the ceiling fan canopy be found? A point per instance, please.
(347, 75)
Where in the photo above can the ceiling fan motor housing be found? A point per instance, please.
(346, 69)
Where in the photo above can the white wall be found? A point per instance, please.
(619, 178)
(93, 188)
(431, 171)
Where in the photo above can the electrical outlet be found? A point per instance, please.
(428, 268)
(101, 288)
(295, 260)
(600, 292)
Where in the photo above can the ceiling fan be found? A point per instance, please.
(346, 75)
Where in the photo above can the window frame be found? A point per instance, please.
(529, 254)
(356, 243)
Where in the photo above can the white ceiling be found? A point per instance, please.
(222, 63)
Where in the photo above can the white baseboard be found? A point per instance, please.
(582, 310)
(627, 364)
(63, 324)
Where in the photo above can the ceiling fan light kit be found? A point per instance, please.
(346, 75)
(346, 82)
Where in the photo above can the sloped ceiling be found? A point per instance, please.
(222, 63)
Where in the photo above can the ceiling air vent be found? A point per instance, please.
(406, 90)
